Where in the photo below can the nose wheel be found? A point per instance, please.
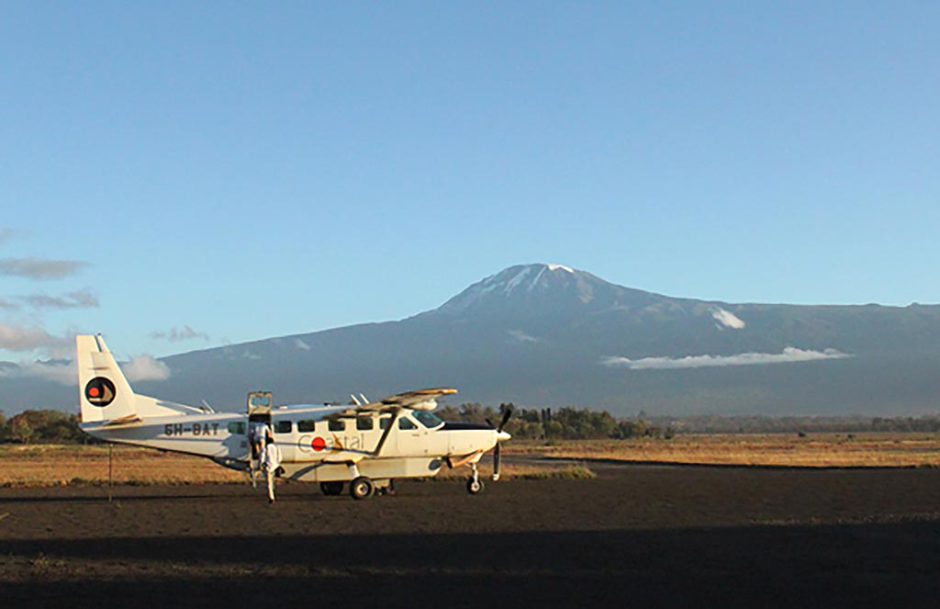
(474, 484)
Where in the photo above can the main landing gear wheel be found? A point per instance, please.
(474, 486)
(331, 488)
(361, 488)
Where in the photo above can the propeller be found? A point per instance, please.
(507, 414)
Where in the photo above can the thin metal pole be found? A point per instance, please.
(110, 468)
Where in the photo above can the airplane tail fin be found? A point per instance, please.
(104, 393)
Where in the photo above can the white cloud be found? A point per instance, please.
(145, 368)
(522, 336)
(80, 299)
(13, 338)
(789, 355)
(63, 372)
(38, 268)
(727, 319)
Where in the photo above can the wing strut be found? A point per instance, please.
(391, 423)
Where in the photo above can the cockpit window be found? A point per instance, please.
(428, 419)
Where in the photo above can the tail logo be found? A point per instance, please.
(99, 391)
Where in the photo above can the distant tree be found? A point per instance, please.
(448, 413)
(553, 429)
(526, 429)
(45, 426)
(627, 429)
(21, 430)
(477, 413)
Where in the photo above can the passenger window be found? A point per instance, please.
(236, 427)
(404, 423)
(364, 423)
(337, 425)
(307, 425)
(283, 426)
(384, 421)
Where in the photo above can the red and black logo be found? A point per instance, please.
(99, 391)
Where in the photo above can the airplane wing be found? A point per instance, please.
(422, 399)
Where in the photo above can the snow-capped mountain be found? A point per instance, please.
(551, 335)
(549, 288)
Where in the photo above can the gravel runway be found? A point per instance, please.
(635, 536)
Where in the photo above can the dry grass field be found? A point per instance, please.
(51, 465)
(54, 465)
(767, 450)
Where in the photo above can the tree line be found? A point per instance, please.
(705, 424)
(564, 423)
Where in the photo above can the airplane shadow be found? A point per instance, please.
(883, 565)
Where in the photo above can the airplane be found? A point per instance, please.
(365, 444)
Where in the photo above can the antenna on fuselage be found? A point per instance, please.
(355, 400)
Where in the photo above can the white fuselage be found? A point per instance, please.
(318, 443)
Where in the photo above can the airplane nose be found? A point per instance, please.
(502, 436)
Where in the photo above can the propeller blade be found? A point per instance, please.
(506, 414)
(490, 423)
(496, 463)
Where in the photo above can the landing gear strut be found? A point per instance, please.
(474, 484)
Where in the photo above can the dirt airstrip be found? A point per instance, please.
(635, 536)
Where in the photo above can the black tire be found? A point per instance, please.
(474, 487)
(331, 489)
(361, 488)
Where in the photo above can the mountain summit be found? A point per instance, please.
(531, 289)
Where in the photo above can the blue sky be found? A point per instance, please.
(253, 170)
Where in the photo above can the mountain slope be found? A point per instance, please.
(549, 335)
